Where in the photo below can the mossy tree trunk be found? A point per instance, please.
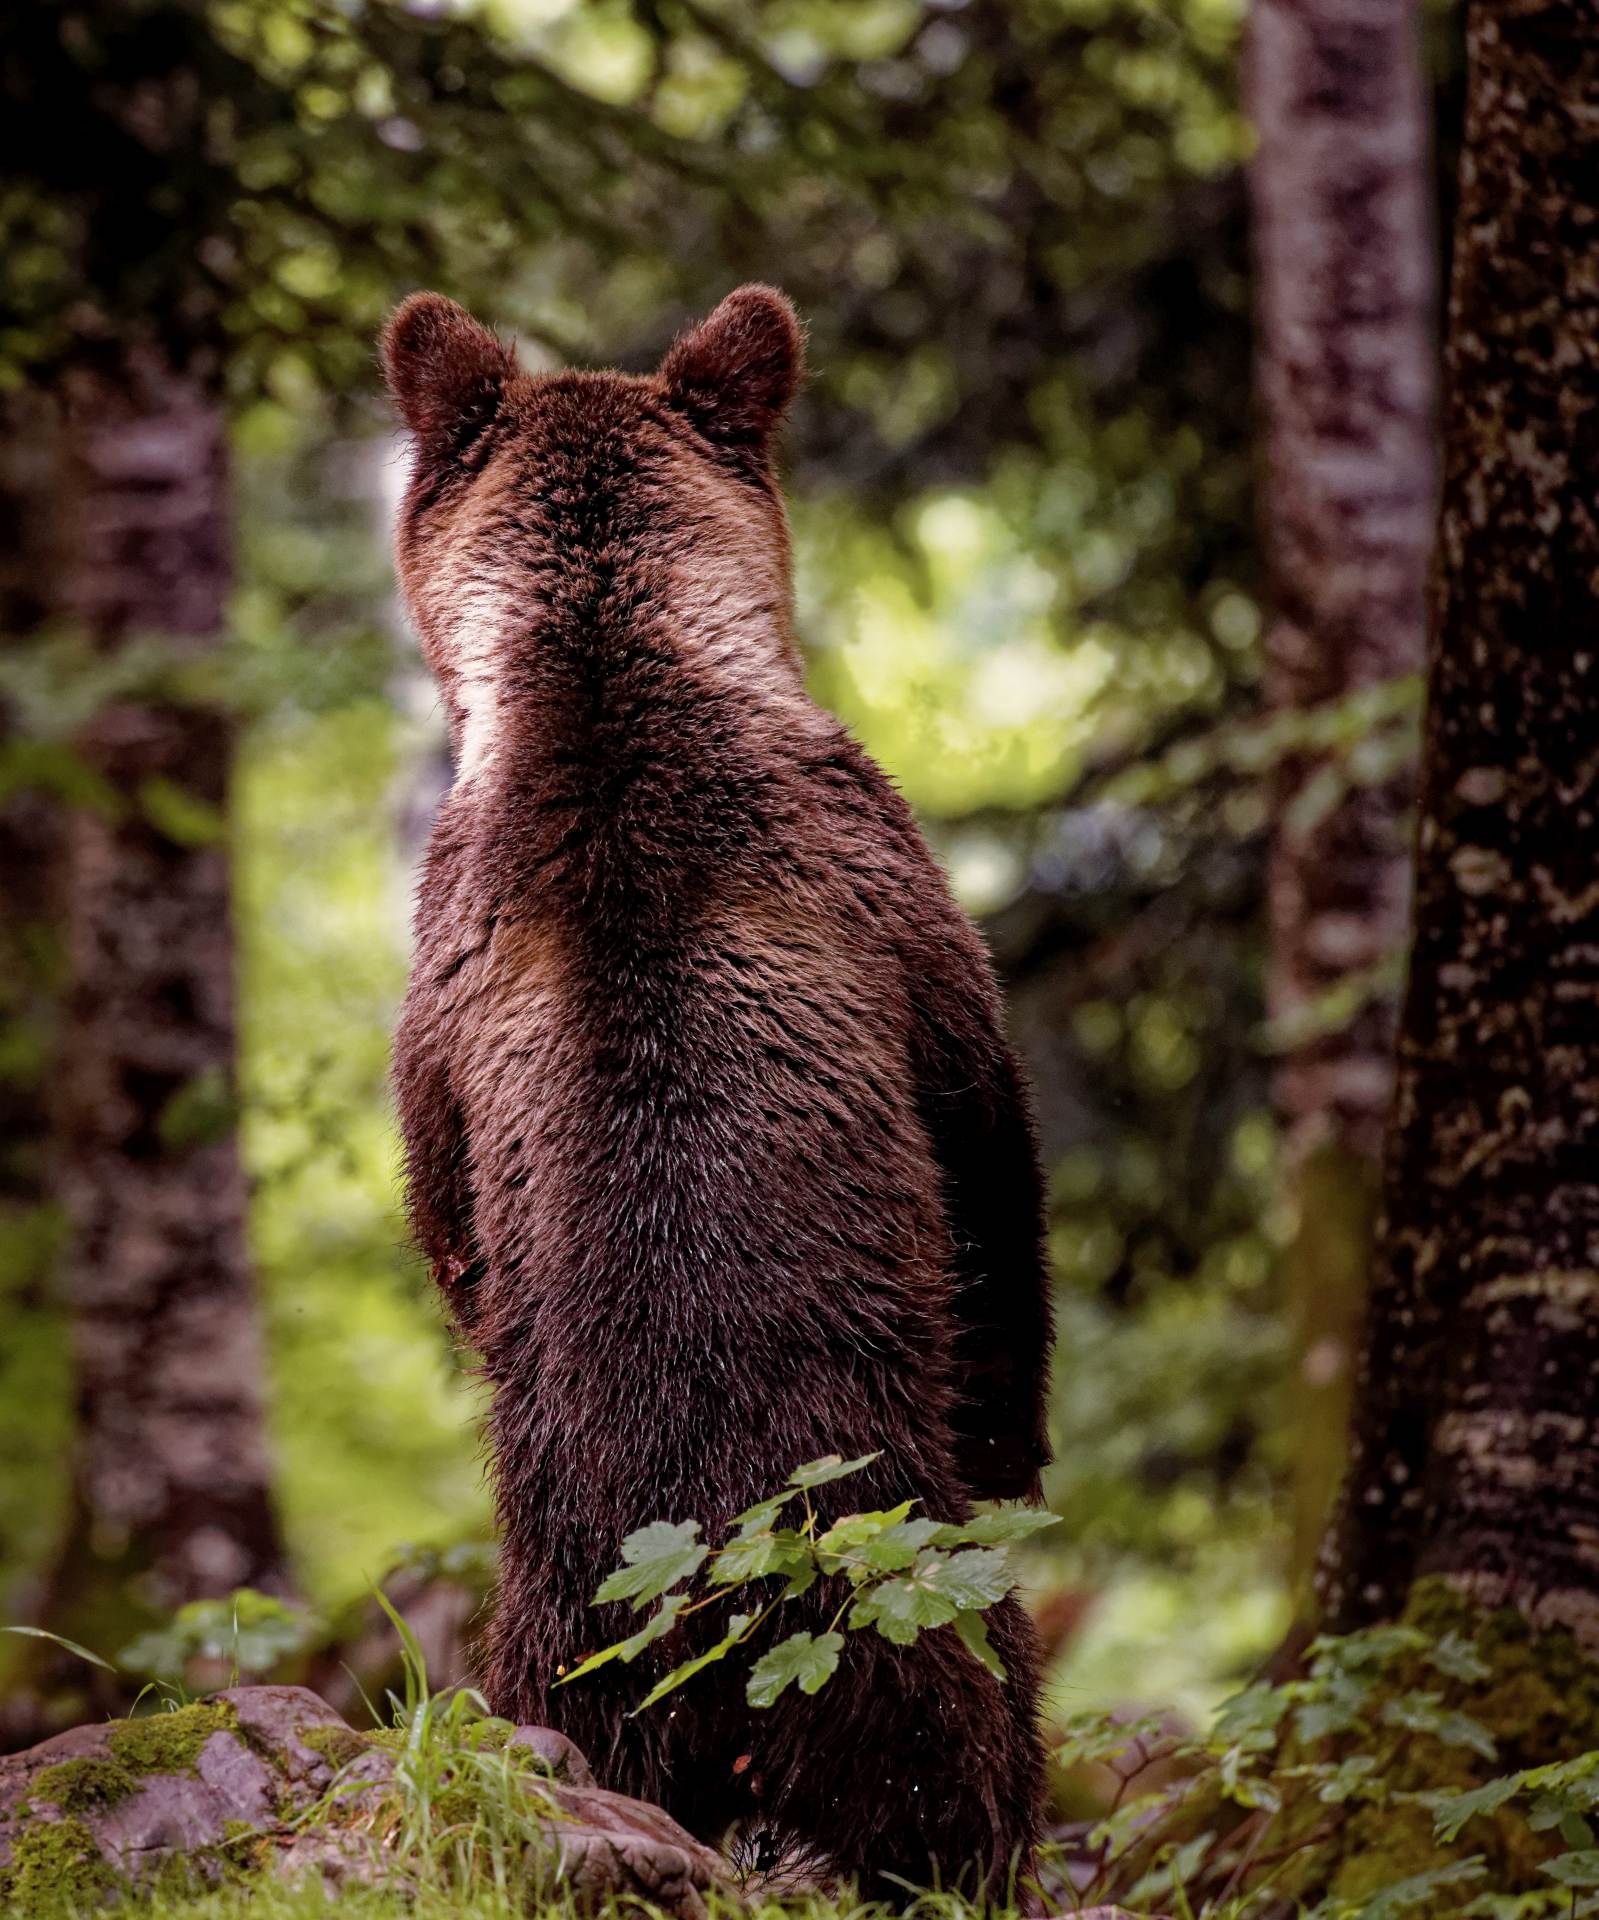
(1345, 372)
(171, 1495)
(1476, 1454)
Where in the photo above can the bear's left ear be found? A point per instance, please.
(447, 373)
(734, 374)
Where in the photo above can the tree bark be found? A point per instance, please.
(1475, 1449)
(171, 1489)
(1345, 373)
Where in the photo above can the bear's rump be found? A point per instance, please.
(644, 1403)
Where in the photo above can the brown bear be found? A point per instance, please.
(713, 1138)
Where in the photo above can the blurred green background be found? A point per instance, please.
(1028, 575)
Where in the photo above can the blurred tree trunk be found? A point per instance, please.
(31, 822)
(1474, 1451)
(170, 1495)
(30, 836)
(1345, 374)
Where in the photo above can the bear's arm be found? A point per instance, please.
(974, 1105)
(438, 1187)
(437, 1177)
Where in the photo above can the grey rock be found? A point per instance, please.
(277, 1720)
(338, 1858)
(612, 1845)
(172, 1814)
(562, 1756)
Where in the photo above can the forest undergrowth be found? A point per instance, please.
(1404, 1770)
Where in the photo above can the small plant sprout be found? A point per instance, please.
(893, 1572)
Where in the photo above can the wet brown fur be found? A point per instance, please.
(713, 1138)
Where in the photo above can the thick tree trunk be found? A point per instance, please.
(1346, 356)
(171, 1495)
(1476, 1453)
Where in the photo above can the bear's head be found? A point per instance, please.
(585, 523)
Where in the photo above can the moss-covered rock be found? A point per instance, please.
(57, 1865)
(77, 1785)
(237, 1786)
(158, 1801)
(169, 1742)
(338, 1745)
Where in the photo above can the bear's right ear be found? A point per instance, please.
(447, 373)
(734, 374)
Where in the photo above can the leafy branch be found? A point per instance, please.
(893, 1572)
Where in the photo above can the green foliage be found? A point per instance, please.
(250, 1632)
(885, 1570)
(464, 1813)
(1300, 1799)
(1022, 516)
(465, 1809)
(1364, 739)
(182, 816)
(655, 1558)
(803, 1660)
(1559, 1795)
(374, 1417)
(1027, 579)
(35, 1392)
(202, 1111)
(270, 1897)
(1322, 1791)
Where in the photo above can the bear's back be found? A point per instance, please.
(694, 1138)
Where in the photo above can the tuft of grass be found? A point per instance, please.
(464, 1814)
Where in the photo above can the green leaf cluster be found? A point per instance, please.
(1318, 1796)
(886, 1569)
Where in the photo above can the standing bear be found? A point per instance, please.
(713, 1138)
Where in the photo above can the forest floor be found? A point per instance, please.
(307, 1900)
(1442, 1767)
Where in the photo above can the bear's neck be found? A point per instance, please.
(635, 753)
